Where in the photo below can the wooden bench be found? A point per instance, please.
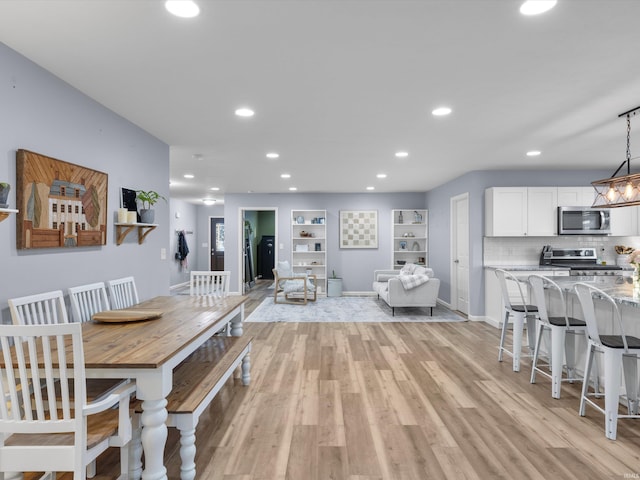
(196, 381)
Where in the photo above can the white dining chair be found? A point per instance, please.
(519, 312)
(210, 283)
(40, 309)
(88, 299)
(123, 292)
(621, 353)
(563, 328)
(54, 428)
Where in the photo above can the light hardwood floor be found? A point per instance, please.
(395, 401)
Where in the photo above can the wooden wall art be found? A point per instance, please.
(358, 229)
(60, 204)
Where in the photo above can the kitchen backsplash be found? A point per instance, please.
(526, 250)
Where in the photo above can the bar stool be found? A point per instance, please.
(621, 352)
(562, 346)
(519, 312)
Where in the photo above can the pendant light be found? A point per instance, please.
(622, 191)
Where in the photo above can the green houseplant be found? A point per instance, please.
(148, 199)
(4, 194)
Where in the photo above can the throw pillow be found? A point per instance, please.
(408, 269)
(420, 270)
(284, 269)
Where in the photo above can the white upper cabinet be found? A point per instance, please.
(520, 211)
(542, 208)
(624, 221)
(576, 196)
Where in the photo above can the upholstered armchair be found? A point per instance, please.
(293, 288)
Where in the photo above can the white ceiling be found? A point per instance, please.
(339, 86)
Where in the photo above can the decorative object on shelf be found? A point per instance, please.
(122, 215)
(318, 247)
(61, 204)
(623, 191)
(302, 248)
(408, 235)
(400, 218)
(132, 217)
(5, 188)
(148, 199)
(300, 220)
(358, 229)
(401, 262)
(306, 234)
(417, 217)
(421, 260)
(415, 247)
(403, 245)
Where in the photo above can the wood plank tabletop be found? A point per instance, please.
(150, 343)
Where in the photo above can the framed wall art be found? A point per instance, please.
(358, 229)
(60, 204)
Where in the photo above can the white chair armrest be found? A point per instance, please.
(110, 398)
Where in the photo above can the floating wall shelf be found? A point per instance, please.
(4, 213)
(123, 229)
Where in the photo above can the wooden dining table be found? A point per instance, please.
(148, 351)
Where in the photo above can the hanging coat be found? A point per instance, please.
(183, 248)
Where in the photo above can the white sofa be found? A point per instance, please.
(389, 288)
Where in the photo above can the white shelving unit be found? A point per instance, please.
(309, 244)
(410, 237)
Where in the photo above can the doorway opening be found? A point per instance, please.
(259, 253)
(216, 243)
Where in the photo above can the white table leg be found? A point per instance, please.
(246, 369)
(154, 438)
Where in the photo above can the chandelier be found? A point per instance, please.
(622, 191)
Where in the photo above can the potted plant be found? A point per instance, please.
(148, 200)
(4, 194)
(334, 285)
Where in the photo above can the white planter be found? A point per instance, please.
(334, 287)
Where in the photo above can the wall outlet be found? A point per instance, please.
(163, 254)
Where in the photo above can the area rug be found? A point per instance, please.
(347, 309)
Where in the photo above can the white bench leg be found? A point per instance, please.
(135, 450)
(246, 369)
(187, 454)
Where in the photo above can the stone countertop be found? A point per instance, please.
(527, 268)
(620, 288)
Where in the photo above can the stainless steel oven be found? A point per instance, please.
(584, 221)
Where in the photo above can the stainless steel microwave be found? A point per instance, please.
(584, 221)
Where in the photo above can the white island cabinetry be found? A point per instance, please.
(309, 244)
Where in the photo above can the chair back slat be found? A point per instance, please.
(541, 284)
(123, 292)
(209, 283)
(42, 309)
(87, 300)
(503, 278)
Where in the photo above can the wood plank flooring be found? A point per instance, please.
(394, 401)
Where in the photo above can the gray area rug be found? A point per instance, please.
(347, 309)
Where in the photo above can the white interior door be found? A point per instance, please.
(460, 253)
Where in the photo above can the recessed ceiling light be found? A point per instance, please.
(381, 175)
(209, 201)
(440, 111)
(244, 112)
(371, 188)
(285, 175)
(402, 154)
(215, 189)
(536, 7)
(273, 155)
(533, 153)
(293, 189)
(189, 175)
(182, 8)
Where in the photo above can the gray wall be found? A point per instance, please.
(183, 216)
(41, 113)
(355, 266)
(475, 183)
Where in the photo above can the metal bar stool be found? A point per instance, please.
(562, 345)
(519, 313)
(621, 352)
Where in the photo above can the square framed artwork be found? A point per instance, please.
(358, 229)
(61, 205)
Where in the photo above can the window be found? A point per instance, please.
(63, 191)
(61, 208)
(54, 208)
(84, 226)
(77, 209)
(55, 225)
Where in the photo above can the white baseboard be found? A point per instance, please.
(179, 285)
(359, 294)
